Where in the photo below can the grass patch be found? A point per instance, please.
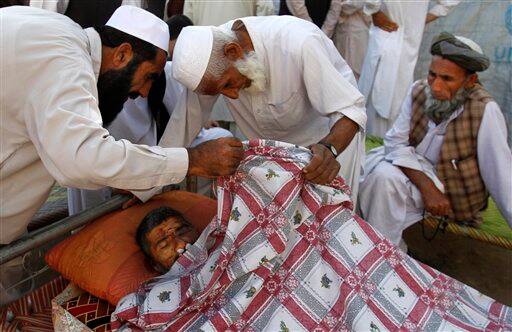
(494, 223)
(373, 142)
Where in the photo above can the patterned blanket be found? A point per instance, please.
(287, 255)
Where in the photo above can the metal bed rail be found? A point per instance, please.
(53, 231)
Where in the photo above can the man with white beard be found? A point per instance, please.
(284, 80)
(446, 151)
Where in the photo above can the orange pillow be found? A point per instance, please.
(104, 259)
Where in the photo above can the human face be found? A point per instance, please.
(146, 74)
(445, 78)
(168, 239)
(229, 84)
(132, 80)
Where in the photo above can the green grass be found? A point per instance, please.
(373, 142)
(494, 223)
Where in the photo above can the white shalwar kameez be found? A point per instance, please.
(135, 123)
(352, 33)
(388, 67)
(60, 6)
(218, 12)
(309, 88)
(298, 9)
(390, 202)
(50, 125)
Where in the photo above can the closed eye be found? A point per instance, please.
(162, 244)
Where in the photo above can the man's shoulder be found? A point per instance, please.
(479, 93)
(29, 23)
(290, 30)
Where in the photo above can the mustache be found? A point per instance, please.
(252, 68)
(440, 110)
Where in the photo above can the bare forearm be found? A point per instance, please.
(420, 180)
(342, 134)
(434, 201)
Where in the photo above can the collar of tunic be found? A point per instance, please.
(94, 48)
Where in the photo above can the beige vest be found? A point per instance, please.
(458, 163)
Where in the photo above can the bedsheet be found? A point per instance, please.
(284, 255)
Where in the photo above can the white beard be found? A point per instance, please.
(252, 68)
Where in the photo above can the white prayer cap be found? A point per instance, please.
(142, 24)
(474, 46)
(191, 55)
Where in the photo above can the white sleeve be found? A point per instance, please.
(443, 7)
(396, 141)
(330, 83)
(64, 123)
(495, 159)
(333, 15)
(264, 7)
(298, 9)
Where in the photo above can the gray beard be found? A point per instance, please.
(441, 110)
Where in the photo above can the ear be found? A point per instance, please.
(122, 55)
(471, 81)
(233, 51)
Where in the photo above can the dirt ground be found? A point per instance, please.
(485, 267)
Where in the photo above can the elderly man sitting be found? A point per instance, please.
(447, 150)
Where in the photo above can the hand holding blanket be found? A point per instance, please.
(287, 255)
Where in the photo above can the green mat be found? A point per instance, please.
(494, 223)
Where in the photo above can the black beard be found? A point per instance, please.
(113, 90)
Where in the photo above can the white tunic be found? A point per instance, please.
(351, 34)
(388, 67)
(391, 202)
(298, 9)
(217, 12)
(309, 88)
(50, 126)
(60, 6)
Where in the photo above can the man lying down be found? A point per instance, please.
(284, 254)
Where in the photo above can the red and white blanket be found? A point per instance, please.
(287, 255)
